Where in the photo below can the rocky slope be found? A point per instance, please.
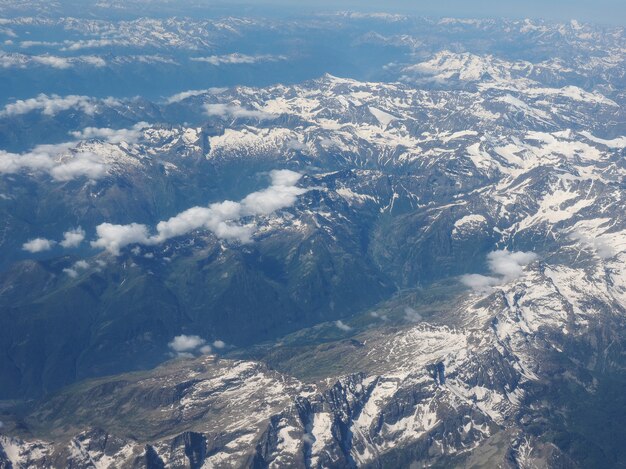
(336, 273)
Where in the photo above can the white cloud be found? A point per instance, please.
(17, 60)
(11, 163)
(282, 193)
(505, 264)
(188, 346)
(341, 325)
(377, 315)
(509, 264)
(83, 164)
(480, 283)
(93, 60)
(297, 146)
(111, 135)
(72, 273)
(52, 61)
(115, 237)
(411, 315)
(73, 238)
(191, 93)
(219, 344)
(41, 158)
(53, 104)
(27, 44)
(81, 264)
(93, 43)
(38, 245)
(219, 218)
(600, 245)
(236, 111)
(236, 59)
(186, 343)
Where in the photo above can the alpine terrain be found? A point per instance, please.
(332, 240)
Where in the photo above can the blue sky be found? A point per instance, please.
(604, 11)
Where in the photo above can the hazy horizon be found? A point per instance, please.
(601, 11)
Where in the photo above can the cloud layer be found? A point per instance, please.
(506, 266)
(220, 218)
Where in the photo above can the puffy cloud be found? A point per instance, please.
(206, 349)
(219, 218)
(236, 59)
(343, 326)
(53, 104)
(81, 264)
(83, 164)
(41, 158)
(38, 245)
(72, 273)
(236, 111)
(115, 237)
(52, 61)
(73, 238)
(505, 264)
(219, 344)
(11, 163)
(283, 193)
(186, 343)
(509, 264)
(480, 283)
(111, 135)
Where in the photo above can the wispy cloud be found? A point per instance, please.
(15, 60)
(600, 245)
(343, 326)
(506, 266)
(236, 59)
(411, 315)
(220, 218)
(178, 97)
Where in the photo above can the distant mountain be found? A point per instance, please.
(421, 271)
